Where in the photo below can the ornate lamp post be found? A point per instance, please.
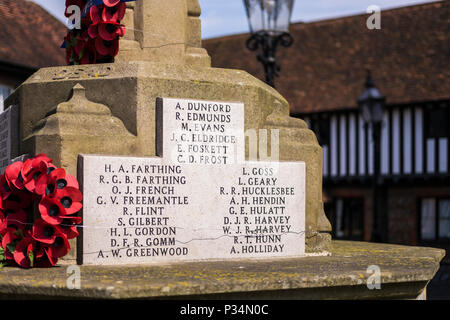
(269, 22)
(371, 105)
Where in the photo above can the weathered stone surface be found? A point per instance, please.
(149, 38)
(405, 271)
(74, 127)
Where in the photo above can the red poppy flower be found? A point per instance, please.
(33, 168)
(93, 30)
(110, 30)
(90, 54)
(60, 198)
(102, 21)
(24, 255)
(111, 3)
(44, 232)
(16, 201)
(2, 223)
(114, 13)
(17, 220)
(14, 176)
(42, 157)
(52, 211)
(105, 22)
(5, 188)
(106, 30)
(96, 14)
(70, 198)
(9, 241)
(69, 228)
(58, 249)
(56, 180)
(40, 252)
(107, 48)
(44, 262)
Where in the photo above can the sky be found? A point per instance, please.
(225, 17)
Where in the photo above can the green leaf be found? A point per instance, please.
(2, 264)
(12, 246)
(19, 233)
(81, 54)
(31, 257)
(2, 254)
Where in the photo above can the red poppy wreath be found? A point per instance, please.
(97, 41)
(38, 213)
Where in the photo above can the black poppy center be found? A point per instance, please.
(112, 10)
(6, 187)
(8, 212)
(49, 231)
(59, 242)
(50, 170)
(61, 183)
(66, 202)
(53, 210)
(36, 175)
(13, 198)
(66, 223)
(107, 44)
(49, 189)
(111, 28)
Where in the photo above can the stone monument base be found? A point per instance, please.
(405, 273)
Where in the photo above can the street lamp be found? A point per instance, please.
(269, 22)
(371, 105)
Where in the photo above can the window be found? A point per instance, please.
(435, 219)
(436, 122)
(349, 223)
(444, 219)
(4, 93)
(321, 127)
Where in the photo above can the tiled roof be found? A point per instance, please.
(325, 67)
(29, 35)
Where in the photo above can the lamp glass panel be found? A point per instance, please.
(255, 15)
(269, 15)
(366, 112)
(377, 111)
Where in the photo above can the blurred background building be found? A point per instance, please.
(30, 38)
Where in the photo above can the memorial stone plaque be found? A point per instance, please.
(179, 207)
(200, 132)
(9, 140)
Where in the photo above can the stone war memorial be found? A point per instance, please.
(196, 182)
